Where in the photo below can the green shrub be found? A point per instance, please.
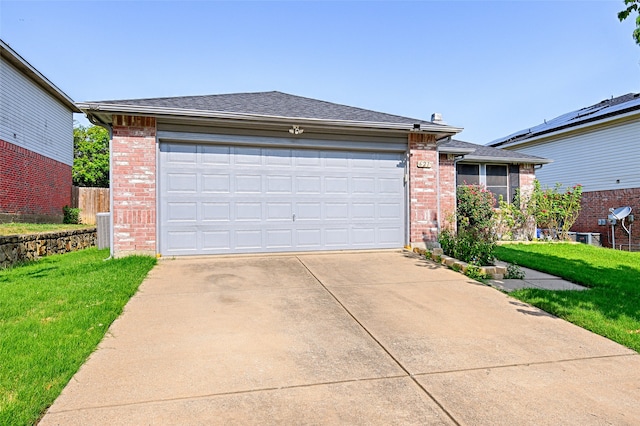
(474, 241)
(70, 215)
(514, 272)
(475, 273)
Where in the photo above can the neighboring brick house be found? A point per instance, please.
(36, 143)
(597, 147)
(272, 172)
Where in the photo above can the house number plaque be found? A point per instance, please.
(425, 164)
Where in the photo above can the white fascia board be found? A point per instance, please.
(505, 160)
(453, 150)
(89, 107)
(572, 129)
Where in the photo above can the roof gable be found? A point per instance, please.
(487, 154)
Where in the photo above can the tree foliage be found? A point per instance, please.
(91, 156)
(633, 6)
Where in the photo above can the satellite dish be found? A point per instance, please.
(620, 213)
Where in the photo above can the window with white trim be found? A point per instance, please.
(500, 179)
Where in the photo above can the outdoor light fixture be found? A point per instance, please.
(296, 130)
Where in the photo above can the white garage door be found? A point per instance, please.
(232, 199)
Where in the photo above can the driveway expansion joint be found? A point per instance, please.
(524, 364)
(230, 393)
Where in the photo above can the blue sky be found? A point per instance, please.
(492, 67)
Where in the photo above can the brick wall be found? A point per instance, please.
(133, 183)
(423, 196)
(596, 204)
(527, 176)
(32, 186)
(447, 189)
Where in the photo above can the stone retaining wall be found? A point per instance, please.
(20, 248)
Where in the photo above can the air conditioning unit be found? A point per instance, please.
(590, 238)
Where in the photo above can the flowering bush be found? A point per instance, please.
(474, 240)
(556, 210)
(515, 221)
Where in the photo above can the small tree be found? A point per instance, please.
(90, 156)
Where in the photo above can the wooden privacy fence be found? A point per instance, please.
(90, 201)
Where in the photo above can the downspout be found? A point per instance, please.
(109, 128)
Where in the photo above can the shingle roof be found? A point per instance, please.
(604, 109)
(487, 154)
(269, 104)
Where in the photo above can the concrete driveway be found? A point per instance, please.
(348, 338)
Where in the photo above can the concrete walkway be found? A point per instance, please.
(534, 279)
(351, 338)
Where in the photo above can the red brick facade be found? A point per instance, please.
(423, 189)
(133, 185)
(32, 186)
(596, 204)
(447, 189)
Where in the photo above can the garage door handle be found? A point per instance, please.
(294, 217)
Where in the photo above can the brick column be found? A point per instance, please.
(422, 189)
(133, 185)
(447, 190)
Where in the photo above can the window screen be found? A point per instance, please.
(468, 174)
(497, 182)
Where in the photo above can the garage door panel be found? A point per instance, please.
(388, 236)
(392, 211)
(236, 199)
(336, 237)
(279, 238)
(308, 185)
(216, 183)
(182, 241)
(215, 155)
(363, 185)
(364, 236)
(336, 211)
(307, 158)
(216, 212)
(336, 185)
(181, 153)
(182, 212)
(278, 158)
(387, 186)
(279, 211)
(217, 240)
(363, 211)
(309, 238)
(182, 182)
(249, 239)
(248, 184)
(247, 156)
(308, 211)
(279, 184)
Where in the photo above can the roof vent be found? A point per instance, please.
(436, 118)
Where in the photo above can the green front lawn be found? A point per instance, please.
(611, 307)
(36, 228)
(53, 313)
